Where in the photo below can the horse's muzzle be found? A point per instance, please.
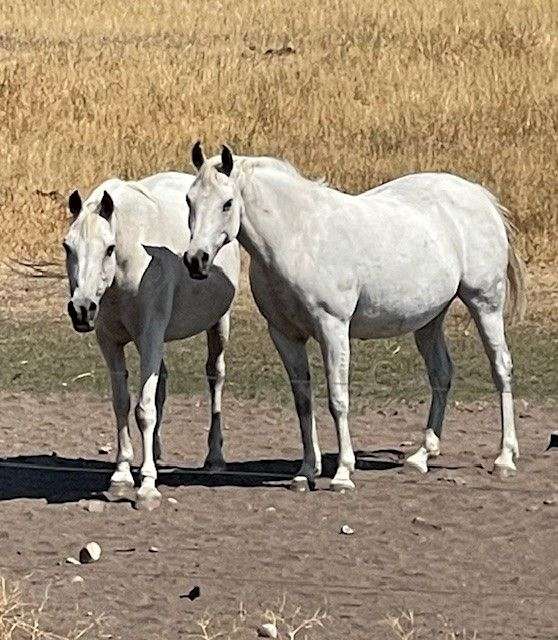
(83, 317)
(198, 265)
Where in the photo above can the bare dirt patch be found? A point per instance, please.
(457, 543)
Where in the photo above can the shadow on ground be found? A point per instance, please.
(59, 480)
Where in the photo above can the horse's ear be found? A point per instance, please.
(107, 206)
(226, 161)
(197, 155)
(74, 203)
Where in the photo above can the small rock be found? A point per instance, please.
(77, 579)
(421, 522)
(172, 500)
(193, 594)
(95, 506)
(550, 501)
(107, 448)
(154, 549)
(268, 630)
(90, 553)
(533, 507)
(346, 530)
(406, 443)
(70, 560)
(271, 509)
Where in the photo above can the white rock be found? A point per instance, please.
(71, 560)
(90, 553)
(346, 530)
(271, 509)
(172, 500)
(107, 448)
(154, 549)
(77, 579)
(268, 630)
(95, 506)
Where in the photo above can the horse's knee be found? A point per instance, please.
(146, 414)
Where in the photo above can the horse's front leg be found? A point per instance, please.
(151, 354)
(217, 338)
(121, 481)
(336, 352)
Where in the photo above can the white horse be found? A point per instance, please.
(333, 266)
(127, 281)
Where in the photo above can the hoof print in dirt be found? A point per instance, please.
(90, 553)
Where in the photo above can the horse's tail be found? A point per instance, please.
(516, 298)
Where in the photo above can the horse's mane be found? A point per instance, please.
(269, 162)
(245, 165)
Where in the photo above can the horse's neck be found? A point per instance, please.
(131, 258)
(267, 223)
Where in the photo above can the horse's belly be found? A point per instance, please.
(385, 315)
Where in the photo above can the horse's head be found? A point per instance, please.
(215, 205)
(90, 259)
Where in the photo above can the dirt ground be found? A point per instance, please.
(481, 557)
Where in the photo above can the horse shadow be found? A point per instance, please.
(59, 480)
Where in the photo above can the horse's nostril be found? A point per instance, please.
(194, 264)
(204, 258)
(92, 307)
(83, 312)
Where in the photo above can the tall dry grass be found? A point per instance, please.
(358, 91)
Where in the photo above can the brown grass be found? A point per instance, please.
(22, 620)
(361, 92)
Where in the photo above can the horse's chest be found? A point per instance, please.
(281, 304)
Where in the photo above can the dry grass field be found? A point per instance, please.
(359, 91)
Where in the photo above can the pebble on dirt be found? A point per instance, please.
(90, 553)
(77, 579)
(71, 560)
(154, 549)
(193, 594)
(268, 630)
(346, 530)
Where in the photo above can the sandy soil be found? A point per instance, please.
(484, 556)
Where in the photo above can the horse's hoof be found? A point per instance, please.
(412, 467)
(342, 486)
(504, 471)
(148, 500)
(214, 467)
(300, 484)
(120, 490)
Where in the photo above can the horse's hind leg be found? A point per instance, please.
(217, 338)
(295, 359)
(487, 311)
(160, 397)
(432, 346)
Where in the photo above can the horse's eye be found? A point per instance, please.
(110, 250)
(227, 205)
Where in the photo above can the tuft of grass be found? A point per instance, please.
(405, 626)
(361, 92)
(21, 620)
(291, 622)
